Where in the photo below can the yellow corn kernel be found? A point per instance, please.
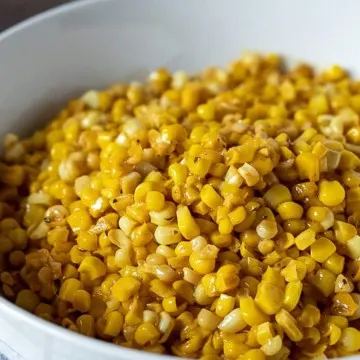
(269, 298)
(114, 324)
(178, 173)
(323, 215)
(206, 111)
(277, 195)
(146, 333)
(292, 295)
(92, 266)
(27, 300)
(169, 304)
(290, 210)
(322, 249)
(125, 288)
(324, 280)
(331, 193)
(349, 340)
(81, 300)
(273, 276)
(79, 220)
(208, 320)
(294, 270)
(87, 241)
(254, 354)
(353, 247)
(344, 231)
(68, 288)
(238, 215)
(168, 234)
(155, 200)
(210, 197)
(305, 239)
(307, 165)
(224, 305)
(227, 278)
(250, 312)
(335, 263)
(272, 346)
(289, 324)
(264, 332)
(187, 225)
(249, 174)
(161, 289)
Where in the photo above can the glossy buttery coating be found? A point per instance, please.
(212, 216)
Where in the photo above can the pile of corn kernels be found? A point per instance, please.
(212, 216)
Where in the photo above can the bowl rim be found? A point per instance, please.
(22, 315)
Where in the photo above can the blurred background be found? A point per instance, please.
(14, 11)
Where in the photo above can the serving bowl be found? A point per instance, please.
(92, 43)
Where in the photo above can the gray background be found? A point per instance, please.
(13, 11)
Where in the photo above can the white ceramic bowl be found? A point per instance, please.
(90, 44)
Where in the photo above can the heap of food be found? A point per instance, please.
(211, 216)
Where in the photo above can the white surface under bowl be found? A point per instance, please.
(90, 44)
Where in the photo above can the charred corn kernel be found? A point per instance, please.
(290, 210)
(277, 195)
(155, 200)
(250, 312)
(125, 288)
(331, 193)
(292, 295)
(343, 284)
(224, 305)
(322, 249)
(92, 266)
(343, 305)
(305, 239)
(269, 298)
